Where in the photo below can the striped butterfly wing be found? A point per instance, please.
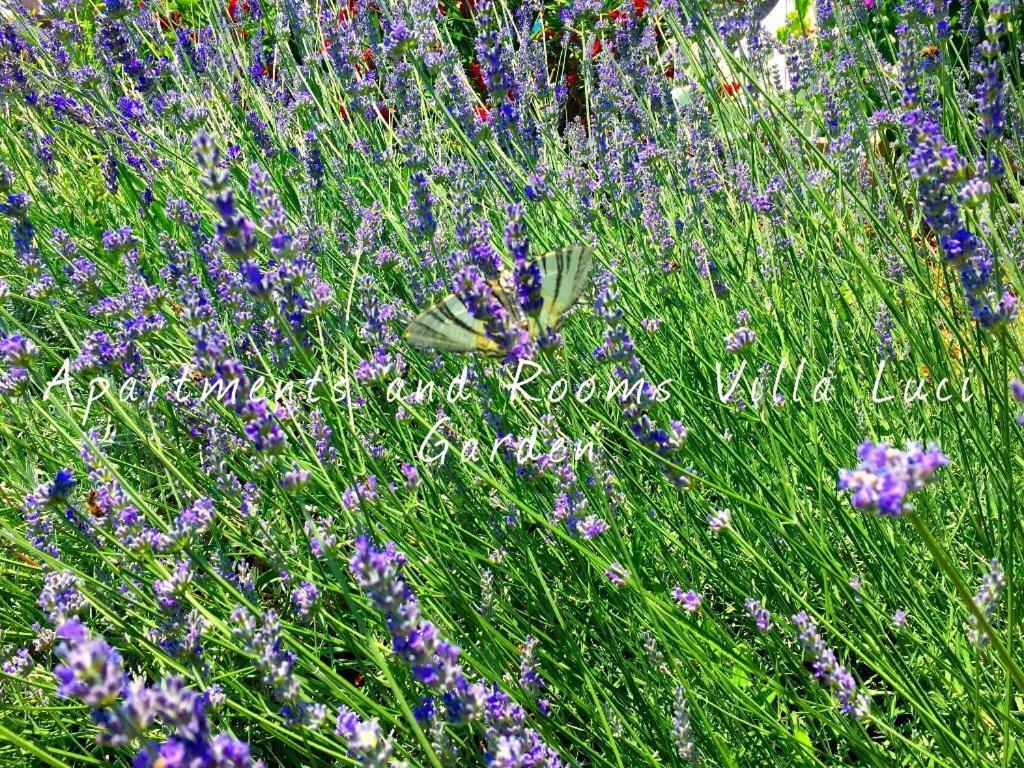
(564, 273)
(448, 326)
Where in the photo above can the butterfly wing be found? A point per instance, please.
(449, 326)
(564, 273)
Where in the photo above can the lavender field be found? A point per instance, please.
(494, 383)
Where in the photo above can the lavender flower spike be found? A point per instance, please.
(828, 670)
(985, 600)
(92, 671)
(435, 663)
(366, 744)
(886, 476)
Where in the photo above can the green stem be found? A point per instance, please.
(964, 593)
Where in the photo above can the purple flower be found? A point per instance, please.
(989, 94)
(234, 232)
(377, 332)
(169, 591)
(229, 752)
(639, 395)
(973, 192)
(420, 207)
(689, 601)
(591, 526)
(23, 234)
(112, 507)
(18, 351)
(294, 478)
(262, 641)
(364, 740)
(435, 662)
(617, 575)
(321, 539)
(719, 519)
(361, 493)
(1017, 392)
(314, 160)
(412, 476)
(18, 664)
(17, 354)
(739, 340)
(378, 573)
(500, 325)
(60, 598)
(525, 273)
(536, 188)
(304, 598)
(262, 428)
(992, 586)
(758, 614)
(828, 670)
(883, 328)
(323, 436)
(886, 476)
(529, 678)
(178, 708)
(91, 671)
(936, 164)
(56, 494)
(682, 731)
(195, 519)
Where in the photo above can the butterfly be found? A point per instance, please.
(449, 325)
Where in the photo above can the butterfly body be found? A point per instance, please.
(449, 325)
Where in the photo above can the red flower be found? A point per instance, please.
(385, 113)
(237, 9)
(483, 113)
(466, 7)
(595, 48)
(639, 7)
(477, 75)
(169, 21)
(729, 89)
(348, 13)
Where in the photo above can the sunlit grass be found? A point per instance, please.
(813, 266)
